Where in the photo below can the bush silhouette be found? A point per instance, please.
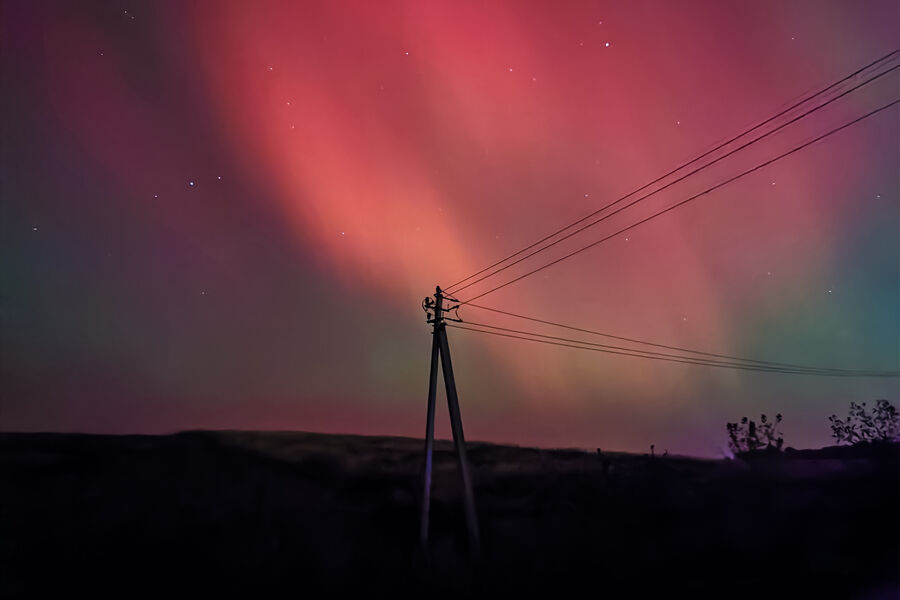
(746, 436)
(882, 424)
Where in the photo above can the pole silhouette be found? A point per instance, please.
(440, 348)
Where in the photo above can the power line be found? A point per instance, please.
(656, 345)
(683, 360)
(637, 351)
(675, 170)
(683, 202)
(640, 352)
(673, 182)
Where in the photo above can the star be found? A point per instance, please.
(534, 78)
(202, 292)
(34, 228)
(678, 122)
(156, 195)
(271, 68)
(406, 52)
(606, 44)
(191, 183)
(342, 233)
(510, 69)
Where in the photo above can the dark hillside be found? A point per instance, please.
(245, 513)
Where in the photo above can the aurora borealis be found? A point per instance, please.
(225, 214)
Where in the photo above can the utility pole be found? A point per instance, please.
(441, 349)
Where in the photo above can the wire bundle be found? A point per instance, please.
(805, 107)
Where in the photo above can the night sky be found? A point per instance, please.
(226, 214)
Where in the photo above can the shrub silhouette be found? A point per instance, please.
(746, 436)
(882, 424)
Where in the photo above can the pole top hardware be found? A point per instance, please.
(437, 307)
(439, 292)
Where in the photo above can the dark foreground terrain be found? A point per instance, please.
(223, 514)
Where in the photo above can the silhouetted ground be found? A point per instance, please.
(212, 514)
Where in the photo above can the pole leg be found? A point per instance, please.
(459, 441)
(429, 440)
